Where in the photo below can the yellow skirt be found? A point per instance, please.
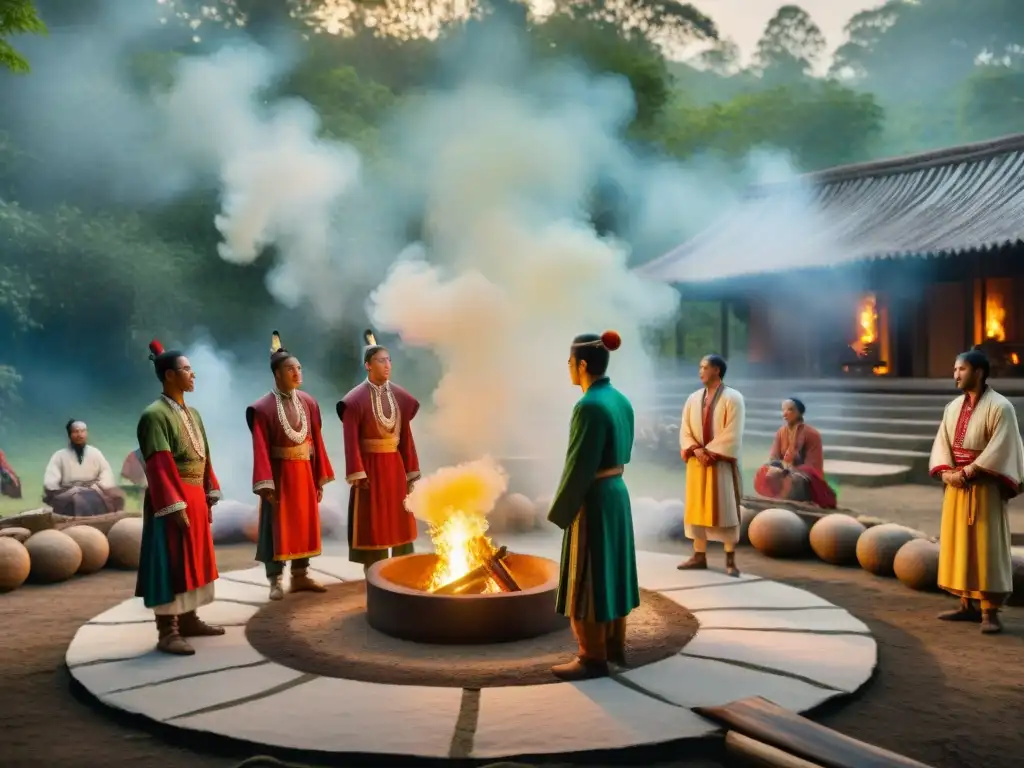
(974, 556)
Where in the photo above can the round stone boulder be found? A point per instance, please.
(1017, 598)
(230, 519)
(778, 533)
(878, 545)
(18, 534)
(55, 556)
(125, 537)
(917, 565)
(747, 515)
(15, 563)
(834, 538)
(94, 545)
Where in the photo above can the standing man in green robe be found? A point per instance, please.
(598, 585)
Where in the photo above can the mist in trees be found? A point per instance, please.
(88, 261)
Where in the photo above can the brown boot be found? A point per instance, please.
(302, 582)
(580, 669)
(966, 612)
(698, 562)
(170, 641)
(990, 623)
(276, 591)
(190, 625)
(730, 564)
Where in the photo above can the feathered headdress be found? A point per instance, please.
(275, 342)
(372, 347)
(278, 354)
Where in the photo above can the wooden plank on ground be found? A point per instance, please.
(764, 721)
(754, 752)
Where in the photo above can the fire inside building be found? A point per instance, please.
(883, 269)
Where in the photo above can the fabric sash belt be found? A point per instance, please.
(379, 445)
(604, 474)
(303, 452)
(192, 473)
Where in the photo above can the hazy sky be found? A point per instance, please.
(744, 20)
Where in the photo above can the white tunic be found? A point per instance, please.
(713, 493)
(64, 470)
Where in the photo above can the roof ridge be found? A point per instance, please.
(894, 166)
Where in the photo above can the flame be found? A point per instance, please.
(1014, 358)
(461, 544)
(995, 314)
(867, 319)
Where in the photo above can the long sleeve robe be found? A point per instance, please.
(713, 493)
(799, 453)
(289, 529)
(377, 517)
(178, 566)
(598, 578)
(974, 542)
(81, 487)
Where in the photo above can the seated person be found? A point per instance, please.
(10, 485)
(78, 481)
(796, 465)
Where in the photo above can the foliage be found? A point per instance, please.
(17, 17)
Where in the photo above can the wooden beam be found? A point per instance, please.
(762, 720)
(758, 753)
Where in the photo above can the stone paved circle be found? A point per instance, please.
(756, 638)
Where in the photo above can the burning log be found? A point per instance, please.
(475, 581)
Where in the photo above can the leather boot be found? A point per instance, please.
(170, 641)
(698, 562)
(616, 642)
(966, 612)
(580, 669)
(302, 582)
(990, 623)
(190, 625)
(730, 564)
(276, 590)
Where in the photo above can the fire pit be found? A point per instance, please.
(507, 597)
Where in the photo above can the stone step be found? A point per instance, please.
(866, 474)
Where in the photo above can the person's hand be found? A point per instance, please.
(362, 482)
(956, 479)
(183, 518)
(210, 501)
(773, 471)
(319, 494)
(268, 495)
(698, 454)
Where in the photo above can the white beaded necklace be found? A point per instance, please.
(296, 437)
(190, 427)
(387, 423)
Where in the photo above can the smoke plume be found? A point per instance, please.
(471, 488)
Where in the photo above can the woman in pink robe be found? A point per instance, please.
(796, 464)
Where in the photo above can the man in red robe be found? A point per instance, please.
(177, 564)
(289, 471)
(380, 461)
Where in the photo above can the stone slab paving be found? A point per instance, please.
(757, 637)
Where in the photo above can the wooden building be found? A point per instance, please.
(888, 268)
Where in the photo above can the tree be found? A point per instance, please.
(666, 23)
(17, 17)
(722, 58)
(991, 103)
(790, 47)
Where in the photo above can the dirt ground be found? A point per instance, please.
(943, 695)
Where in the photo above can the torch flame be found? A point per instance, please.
(995, 314)
(867, 321)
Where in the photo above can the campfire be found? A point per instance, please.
(468, 563)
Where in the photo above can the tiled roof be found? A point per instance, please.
(935, 204)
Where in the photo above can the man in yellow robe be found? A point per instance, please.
(979, 456)
(710, 441)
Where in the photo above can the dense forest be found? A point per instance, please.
(85, 268)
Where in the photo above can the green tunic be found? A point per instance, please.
(598, 579)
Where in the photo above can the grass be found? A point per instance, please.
(30, 442)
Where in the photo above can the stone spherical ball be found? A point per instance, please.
(917, 565)
(230, 518)
(878, 545)
(94, 545)
(125, 538)
(18, 534)
(520, 514)
(834, 538)
(747, 515)
(15, 563)
(778, 533)
(55, 556)
(1017, 598)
